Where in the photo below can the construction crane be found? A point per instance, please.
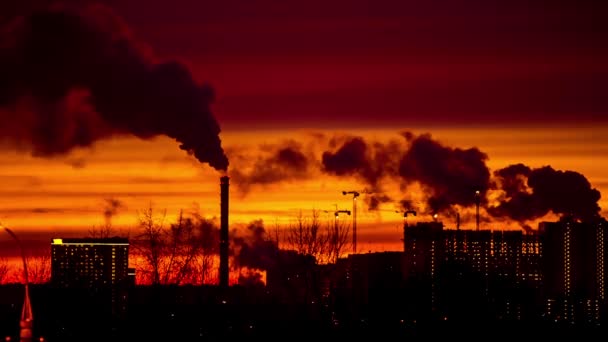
(355, 194)
(406, 213)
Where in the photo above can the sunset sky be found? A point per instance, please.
(522, 82)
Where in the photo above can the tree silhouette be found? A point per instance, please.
(175, 253)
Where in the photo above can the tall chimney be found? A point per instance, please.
(224, 183)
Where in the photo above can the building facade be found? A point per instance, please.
(467, 273)
(87, 263)
(574, 270)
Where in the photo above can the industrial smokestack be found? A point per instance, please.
(224, 184)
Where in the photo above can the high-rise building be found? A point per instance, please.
(574, 269)
(89, 262)
(423, 256)
(464, 273)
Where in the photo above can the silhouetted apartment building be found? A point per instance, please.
(467, 273)
(423, 256)
(574, 270)
(369, 287)
(291, 278)
(87, 262)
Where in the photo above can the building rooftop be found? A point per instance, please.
(91, 241)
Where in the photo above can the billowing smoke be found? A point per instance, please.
(111, 208)
(532, 193)
(370, 162)
(69, 78)
(375, 200)
(254, 249)
(355, 157)
(284, 162)
(449, 176)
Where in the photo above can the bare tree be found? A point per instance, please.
(177, 253)
(306, 237)
(39, 268)
(4, 270)
(337, 239)
(184, 247)
(149, 243)
(209, 237)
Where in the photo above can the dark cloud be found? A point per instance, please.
(449, 176)
(350, 158)
(41, 210)
(367, 161)
(71, 77)
(512, 179)
(278, 163)
(373, 201)
(532, 193)
(355, 157)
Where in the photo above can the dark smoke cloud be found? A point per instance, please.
(355, 157)
(532, 193)
(350, 158)
(69, 78)
(513, 178)
(111, 208)
(450, 176)
(370, 162)
(374, 201)
(253, 249)
(285, 162)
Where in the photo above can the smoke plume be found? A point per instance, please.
(284, 162)
(254, 249)
(69, 78)
(355, 157)
(450, 176)
(369, 162)
(111, 208)
(532, 193)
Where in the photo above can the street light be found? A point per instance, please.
(477, 200)
(27, 317)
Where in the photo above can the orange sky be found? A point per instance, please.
(284, 71)
(54, 196)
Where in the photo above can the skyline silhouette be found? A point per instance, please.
(376, 152)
